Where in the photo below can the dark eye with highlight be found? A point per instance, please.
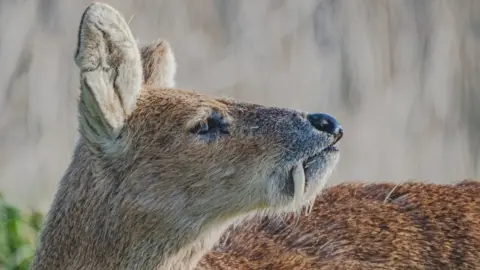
(214, 125)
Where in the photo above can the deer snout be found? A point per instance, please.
(326, 123)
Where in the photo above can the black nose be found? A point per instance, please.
(326, 123)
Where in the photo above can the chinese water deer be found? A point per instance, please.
(354, 226)
(413, 225)
(158, 173)
(358, 227)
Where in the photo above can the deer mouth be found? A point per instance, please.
(311, 159)
(310, 172)
(312, 163)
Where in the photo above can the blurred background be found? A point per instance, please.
(403, 77)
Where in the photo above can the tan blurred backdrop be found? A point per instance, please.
(403, 77)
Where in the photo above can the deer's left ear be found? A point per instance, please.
(159, 65)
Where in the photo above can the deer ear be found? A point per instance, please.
(159, 65)
(110, 73)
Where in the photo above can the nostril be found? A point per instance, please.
(326, 123)
(339, 135)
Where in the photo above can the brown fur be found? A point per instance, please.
(364, 226)
(146, 189)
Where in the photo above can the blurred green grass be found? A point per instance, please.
(19, 231)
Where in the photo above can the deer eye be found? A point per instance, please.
(201, 128)
(213, 125)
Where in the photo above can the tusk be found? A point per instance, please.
(298, 175)
(309, 208)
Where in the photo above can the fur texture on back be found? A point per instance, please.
(362, 227)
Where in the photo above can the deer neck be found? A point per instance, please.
(95, 226)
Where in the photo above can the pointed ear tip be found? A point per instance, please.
(98, 11)
(163, 47)
(91, 9)
(98, 6)
(157, 50)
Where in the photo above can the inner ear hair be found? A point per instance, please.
(111, 74)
